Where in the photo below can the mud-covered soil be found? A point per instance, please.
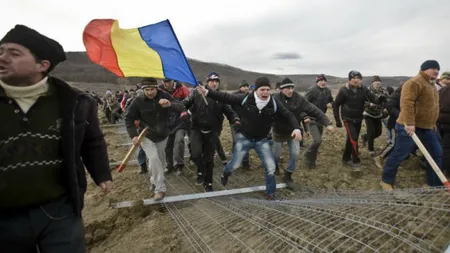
(151, 229)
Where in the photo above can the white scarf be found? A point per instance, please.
(261, 103)
(26, 96)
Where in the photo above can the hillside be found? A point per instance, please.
(79, 69)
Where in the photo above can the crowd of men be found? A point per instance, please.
(52, 134)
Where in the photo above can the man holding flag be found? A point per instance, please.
(153, 110)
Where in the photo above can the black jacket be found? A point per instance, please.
(320, 97)
(393, 107)
(352, 103)
(255, 123)
(178, 93)
(208, 117)
(149, 113)
(83, 142)
(298, 105)
(444, 109)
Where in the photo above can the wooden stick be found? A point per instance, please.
(431, 161)
(124, 163)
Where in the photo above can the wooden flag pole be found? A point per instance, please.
(125, 161)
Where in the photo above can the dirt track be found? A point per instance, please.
(151, 229)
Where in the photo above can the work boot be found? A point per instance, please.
(348, 163)
(208, 188)
(224, 178)
(179, 169)
(356, 167)
(144, 169)
(277, 171)
(169, 169)
(288, 180)
(159, 196)
(200, 179)
(386, 186)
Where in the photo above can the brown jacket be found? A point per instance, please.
(419, 103)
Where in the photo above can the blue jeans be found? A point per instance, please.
(262, 148)
(294, 152)
(402, 148)
(141, 157)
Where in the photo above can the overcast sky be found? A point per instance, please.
(281, 37)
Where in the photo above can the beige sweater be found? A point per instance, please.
(26, 96)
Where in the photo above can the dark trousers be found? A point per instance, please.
(203, 148)
(51, 228)
(445, 143)
(351, 152)
(374, 128)
(403, 146)
(219, 148)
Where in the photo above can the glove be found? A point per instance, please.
(237, 126)
(339, 124)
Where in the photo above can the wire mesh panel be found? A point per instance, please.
(309, 220)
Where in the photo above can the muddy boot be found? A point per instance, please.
(356, 167)
(200, 179)
(169, 169)
(159, 196)
(144, 169)
(348, 163)
(287, 179)
(179, 169)
(208, 187)
(277, 171)
(386, 186)
(224, 178)
(310, 160)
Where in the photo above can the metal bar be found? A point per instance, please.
(204, 195)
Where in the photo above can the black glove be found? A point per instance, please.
(237, 126)
(339, 124)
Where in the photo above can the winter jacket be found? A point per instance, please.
(179, 93)
(255, 123)
(298, 105)
(320, 97)
(376, 111)
(351, 102)
(82, 141)
(444, 109)
(150, 114)
(393, 107)
(208, 117)
(419, 102)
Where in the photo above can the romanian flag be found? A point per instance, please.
(149, 51)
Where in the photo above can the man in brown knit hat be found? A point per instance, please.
(419, 103)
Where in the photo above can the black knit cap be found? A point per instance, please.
(149, 82)
(430, 64)
(354, 73)
(286, 83)
(243, 83)
(262, 81)
(41, 46)
(321, 77)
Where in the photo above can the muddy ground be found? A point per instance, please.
(151, 229)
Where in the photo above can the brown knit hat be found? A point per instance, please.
(376, 79)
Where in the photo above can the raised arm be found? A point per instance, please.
(226, 98)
